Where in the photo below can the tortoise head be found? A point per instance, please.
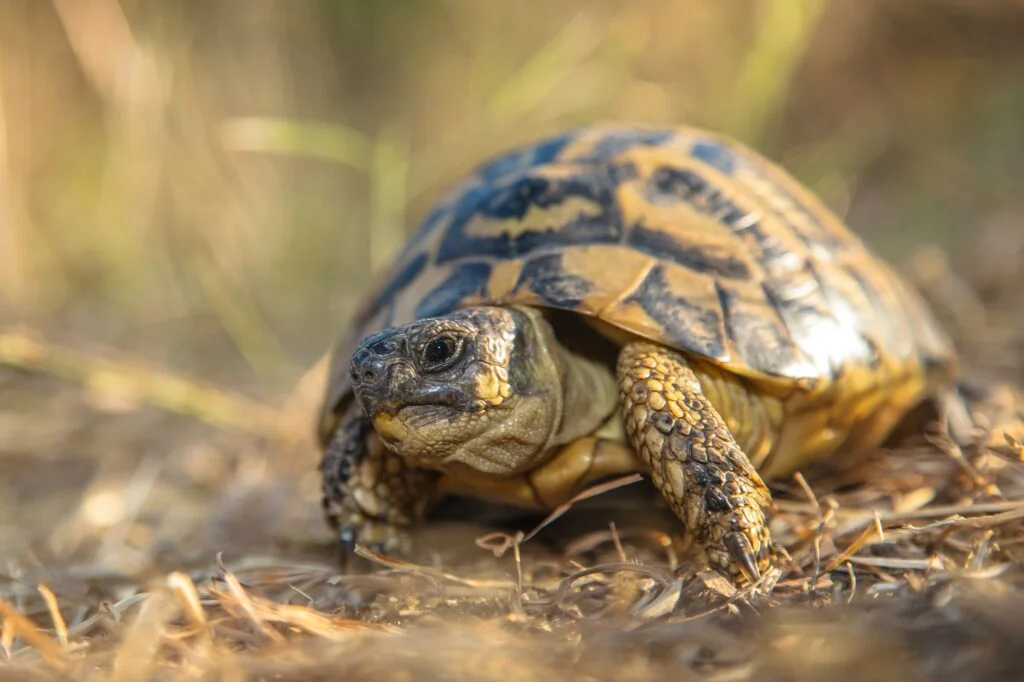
(480, 387)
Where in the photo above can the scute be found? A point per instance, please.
(678, 235)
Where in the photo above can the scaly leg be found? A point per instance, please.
(370, 495)
(694, 460)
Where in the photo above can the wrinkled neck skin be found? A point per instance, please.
(560, 396)
(589, 395)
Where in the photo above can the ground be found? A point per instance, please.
(156, 526)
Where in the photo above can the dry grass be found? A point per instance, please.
(203, 189)
(913, 572)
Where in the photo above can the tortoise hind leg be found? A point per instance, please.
(694, 460)
(370, 495)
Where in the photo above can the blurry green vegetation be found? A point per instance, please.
(211, 184)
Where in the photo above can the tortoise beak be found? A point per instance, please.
(373, 369)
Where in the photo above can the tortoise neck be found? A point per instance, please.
(586, 393)
(589, 396)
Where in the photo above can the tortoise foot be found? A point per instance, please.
(370, 495)
(694, 461)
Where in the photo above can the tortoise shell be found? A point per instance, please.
(681, 236)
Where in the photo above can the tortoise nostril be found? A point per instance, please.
(365, 368)
(360, 367)
(370, 362)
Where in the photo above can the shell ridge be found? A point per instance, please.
(627, 292)
(869, 356)
(777, 307)
(727, 322)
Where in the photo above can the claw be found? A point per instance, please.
(743, 554)
(347, 537)
(347, 547)
(372, 534)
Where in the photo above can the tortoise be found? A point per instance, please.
(622, 298)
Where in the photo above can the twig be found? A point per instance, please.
(592, 491)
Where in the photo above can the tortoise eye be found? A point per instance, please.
(439, 353)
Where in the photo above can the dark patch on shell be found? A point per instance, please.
(468, 279)
(661, 244)
(619, 141)
(518, 160)
(513, 200)
(546, 277)
(688, 325)
(758, 333)
(715, 154)
(668, 185)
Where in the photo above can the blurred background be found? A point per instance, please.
(209, 186)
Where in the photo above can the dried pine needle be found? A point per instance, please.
(184, 590)
(242, 601)
(17, 626)
(59, 626)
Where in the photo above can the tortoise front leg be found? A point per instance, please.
(370, 495)
(694, 460)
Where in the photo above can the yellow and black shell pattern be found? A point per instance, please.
(681, 236)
